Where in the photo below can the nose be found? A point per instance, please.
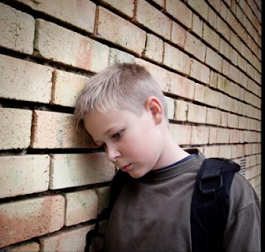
(112, 153)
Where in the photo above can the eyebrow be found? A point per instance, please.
(105, 133)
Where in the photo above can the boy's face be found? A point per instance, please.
(131, 142)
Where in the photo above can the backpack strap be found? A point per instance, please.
(210, 201)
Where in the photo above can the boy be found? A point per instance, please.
(123, 110)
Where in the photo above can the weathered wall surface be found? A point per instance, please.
(206, 55)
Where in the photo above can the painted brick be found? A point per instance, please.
(16, 125)
(213, 59)
(72, 170)
(180, 11)
(23, 80)
(80, 13)
(233, 73)
(232, 121)
(24, 246)
(195, 47)
(25, 219)
(178, 34)
(199, 6)
(171, 54)
(199, 135)
(154, 48)
(120, 31)
(199, 71)
(181, 133)
(56, 130)
(73, 239)
(212, 18)
(103, 197)
(162, 76)
(67, 87)
(126, 7)
(69, 48)
(16, 29)
(118, 56)
(20, 175)
(81, 206)
(213, 79)
(234, 136)
(153, 19)
(196, 113)
(182, 86)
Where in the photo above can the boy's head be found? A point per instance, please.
(121, 86)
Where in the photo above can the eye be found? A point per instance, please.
(117, 135)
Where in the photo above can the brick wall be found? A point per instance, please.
(206, 55)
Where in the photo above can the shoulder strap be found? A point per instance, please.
(209, 207)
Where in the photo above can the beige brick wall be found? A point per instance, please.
(205, 55)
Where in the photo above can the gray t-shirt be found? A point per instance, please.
(153, 213)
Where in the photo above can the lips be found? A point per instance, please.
(125, 167)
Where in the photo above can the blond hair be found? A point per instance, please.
(120, 86)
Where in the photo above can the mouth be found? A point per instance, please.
(125, 167)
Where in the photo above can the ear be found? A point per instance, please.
(154, 106)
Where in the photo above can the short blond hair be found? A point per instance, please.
(120, 86)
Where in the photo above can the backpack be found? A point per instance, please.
(209, 206)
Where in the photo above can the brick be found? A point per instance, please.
(212, 18)
(211, 37)
(196, 113)
(103, 197)
(154, 48)
(18, 80)
(199, 6)
(199, 92)
(181, 133)
(153, 19)
(226, 151)
(199, 135)
(16, 125)
(213, 116)
(24, 219)
(118, 56)
(56, 130)
(197, 25)
(211, 97)
(223, 135)
(213, 135)
(232, 121)
(234, 136)
(69, 48)
(182, 86)
(81, 206)
(195, 47)
(16, 29)
(211, 151)
(213, 79)
(181, 111)
(170, 108)
(161, 76)
(73, 239)
(120, 31)
(71, 170)
(20, 175)
(67, 87)
(80, 13)
(180, 11)
(213, 59)
(178, 34)
(25, 246)
(171, 54)
(199, 71)
(125, 7)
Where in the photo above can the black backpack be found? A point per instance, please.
(209, 207)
